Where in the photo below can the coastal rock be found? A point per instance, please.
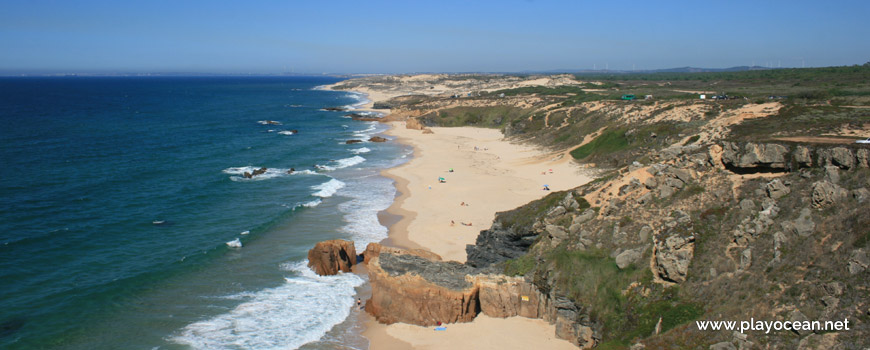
(862, 157)
(672, 257)
(627, 258)
(803, 157)
(363, 118)
(498, 244)
(350, 142)
(826, 194)
(503, 296)
(858, 262)
(411, 289)
(842, 157)
(414, 124)
(803, 226)
(375, 249)
(776, 189)
(754, 156)
(377, 139)
(330, 257)
(256, 172)
(334, 109)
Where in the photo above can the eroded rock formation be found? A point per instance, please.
(411, 289)
(330, 257)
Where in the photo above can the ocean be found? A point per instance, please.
(126, 221)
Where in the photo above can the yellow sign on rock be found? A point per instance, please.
(525, 298)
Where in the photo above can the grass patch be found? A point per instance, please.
(523, 217)
(692, 140)
(519, 266)
(608, 142)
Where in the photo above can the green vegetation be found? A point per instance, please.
(489, 117)
(519, 266)
(541, 90)
(609, 141)
(523, 217)
(592, 278)
(692, 140)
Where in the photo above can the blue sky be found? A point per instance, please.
(416, 36)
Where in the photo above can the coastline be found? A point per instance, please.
(493, 175)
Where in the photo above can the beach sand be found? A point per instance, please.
(496, 176)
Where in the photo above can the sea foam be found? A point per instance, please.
(343, 163)
(327, 189)
(361, 150)
(300, 311)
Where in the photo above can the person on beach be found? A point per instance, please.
(462, 204)
(452, 223)
(359, 303)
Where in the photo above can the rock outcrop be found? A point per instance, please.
(498, 244)
(375, 249)
(330, 257)
(754, 156)
(411, 289)
(378, 139)
(363, 118)
(256, 172)
(350, 142)
(672, 257)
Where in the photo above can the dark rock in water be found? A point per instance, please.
(294, 131)
(272, 122)
(329, 257)
(291, 170)
(364, 118)
(334, 109)
(256, 172)
(378, 139)
(349, 142)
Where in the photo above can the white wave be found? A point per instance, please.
(300, 311)
(369, 195)
(361, 150)
(245, 232)
(269, 122)
(327, 189)
(342, 163)
(236, 243)
(311, 204)
(287, 132)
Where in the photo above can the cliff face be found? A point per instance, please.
(725, 232)
(410, 289)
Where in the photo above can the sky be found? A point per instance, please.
(277, 36)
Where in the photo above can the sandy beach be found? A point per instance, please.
(490, 174)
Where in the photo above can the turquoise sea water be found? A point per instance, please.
(119, 197)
